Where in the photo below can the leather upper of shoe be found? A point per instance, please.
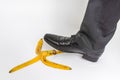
(76, 43)
(66, 44)
(79, 40)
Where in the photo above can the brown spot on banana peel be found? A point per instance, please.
(53, 52)
(10, 71)
(49, 52)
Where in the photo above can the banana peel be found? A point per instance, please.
(42, 55)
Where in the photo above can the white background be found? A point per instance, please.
(24, 22)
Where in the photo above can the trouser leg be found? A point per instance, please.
(99, 23)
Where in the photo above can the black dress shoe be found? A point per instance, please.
(74, 44)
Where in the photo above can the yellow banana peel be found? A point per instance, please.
(37, 58)
(41, 55)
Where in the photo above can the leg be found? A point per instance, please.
(99, 24)
(97, 29)
(100, 21)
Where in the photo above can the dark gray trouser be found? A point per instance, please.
(100, 21)
(98, 27)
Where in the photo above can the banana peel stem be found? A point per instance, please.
(39, 46)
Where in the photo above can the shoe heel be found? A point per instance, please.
(90, 58)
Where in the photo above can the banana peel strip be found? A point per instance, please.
(41, 55)
(37, 58)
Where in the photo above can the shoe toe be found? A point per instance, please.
(51, 38)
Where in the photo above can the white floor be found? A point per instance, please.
(24, 22)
